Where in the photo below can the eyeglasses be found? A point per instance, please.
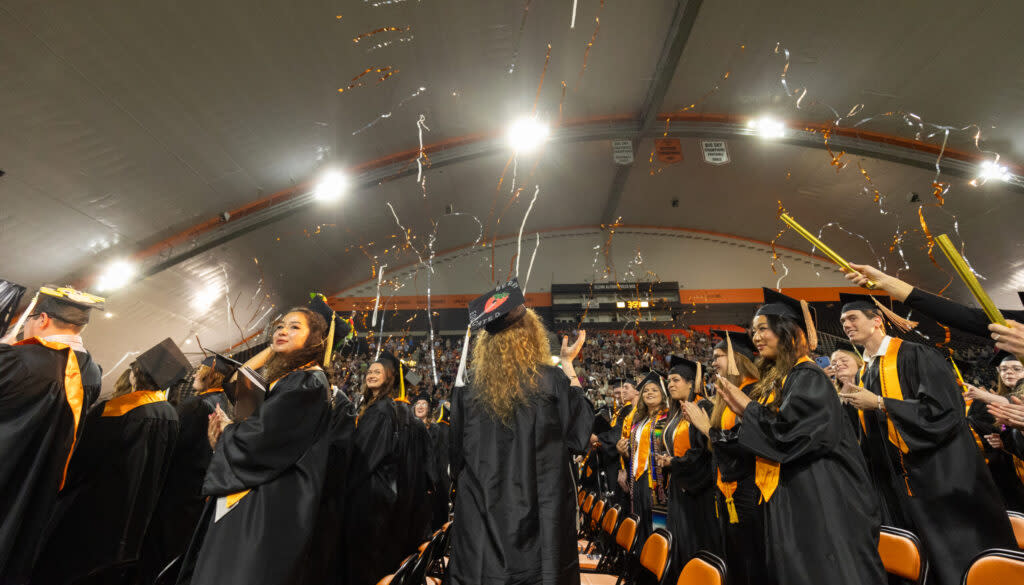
(1011, 369)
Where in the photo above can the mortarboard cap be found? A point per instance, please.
(413, 378)
(1000, 357)
(879, 303)
(164, 363)
(499, 309)
(740, 342)
(338, 329)
(654, 377)
(221, 364)
(684, 367)
(796, 310)
(10, 297)
(388, 360)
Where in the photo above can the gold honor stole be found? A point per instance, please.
(74, 393)
(227, 502)
(643, 449)
(728, 488)
(890, 382)
(766, 471)
(124, 404)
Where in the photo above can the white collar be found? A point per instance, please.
(882, 348)
(72, 341)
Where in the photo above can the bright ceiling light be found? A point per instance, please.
(991, 171)
(331, 185)
(767, 127)
(205, 298)
(527, 133)
(116, 275)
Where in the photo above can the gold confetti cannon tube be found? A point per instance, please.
(966, 275)
(785, 217)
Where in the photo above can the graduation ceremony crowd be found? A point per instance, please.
(316, 463)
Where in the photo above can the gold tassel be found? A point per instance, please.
(330, 345)
(812, 333)
(732, 369)
(401, 384)
(730, 505)
(900, 323)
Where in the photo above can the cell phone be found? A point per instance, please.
(822, 361)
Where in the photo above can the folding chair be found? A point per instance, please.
(620, 562)
(703, 569)
(598, 559)
(656, 556)
(1017, 521)
(996, 567)
(902, 554)
(399, 576)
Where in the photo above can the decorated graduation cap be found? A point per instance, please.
(495, 311)
(164, 363)
(734, 342)
(50, 295)
(859, 302)
(10, 297)
(338, 330)
(390, 361)
(795, 310)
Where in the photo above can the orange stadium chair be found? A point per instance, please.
(619, 561)
(598, 561)
(656, 556)
(902, 555)
(591, 551)
(703, 569)
(584, 519)
(996, 567)
(1017, 521)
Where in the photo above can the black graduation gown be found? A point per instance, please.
(744, 540)
(37, 429)
(515, 514)
(954, 314)
(181, 502)
(114, 480)
(822, 521)
(416, 480)
(1001, 463)
(378, 521)
(279, 454)
(326, 555)
(611, 458)
(692, 519)
(955, 508)
(439, 432)
(643, 496)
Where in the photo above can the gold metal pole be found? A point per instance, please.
(970, 280)
(785, 217)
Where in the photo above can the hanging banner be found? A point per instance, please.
(668, 150)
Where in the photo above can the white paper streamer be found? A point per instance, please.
(376, 302)
(572, 23)
(519, 245)
(529, 269)
(460, 377)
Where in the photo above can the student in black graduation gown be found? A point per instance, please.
(844, 366)
(116, 474)
(626, 397)
(648, 488)
(439, 432)
(386, 485)
(266, 476)
(820, 513)
(418, 474)
(739, 497)
(514, 429)
(181, 501)
(1007, 468)
(47, 384)
(925, 462)
(691, 473)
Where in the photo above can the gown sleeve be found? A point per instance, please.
(937, 408)
(456, 457)
(807, 425)
(953, 313)
(259, 448)
(694, 470)
(576, 414)
(1013, 442)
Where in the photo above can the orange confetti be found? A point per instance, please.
(385, 72)
(590, 44)
(543, 72)
(358, 38)
(938, 190)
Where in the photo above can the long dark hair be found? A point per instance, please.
(792, 345)
(388, 388)
(641, 407)
(280, 364)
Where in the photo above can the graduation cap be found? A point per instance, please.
(1000, 357)
(847, 346)
(499, 309)
(423, 397)
(10, 297)
(796, 310)
(388, 360)
(1020, 295)
(164, 363)
(734, 341)
(689, 370)
(338, 330)
(413, 378)
(221, 364)
(859, 302)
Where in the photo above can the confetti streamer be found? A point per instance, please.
(365, 35)
(420, 126)
(384, 72)
(590, 45)
(519, 38)
(543, 72)
(519, 244)
(389, 113)
(376, 301)
(529, 269)
(572, 21)
(390, 42)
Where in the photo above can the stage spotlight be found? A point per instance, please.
(205, 298)
(767, 127)
(991, 171)
(331, 185)
(117, 274)
(527, 133)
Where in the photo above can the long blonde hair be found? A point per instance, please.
(506, 366)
